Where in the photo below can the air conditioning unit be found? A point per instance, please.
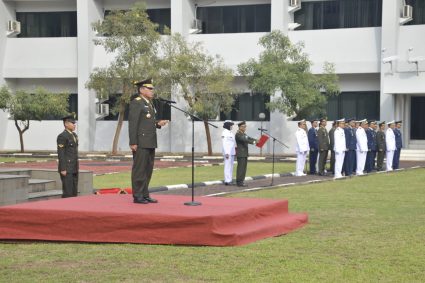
(407, 11)
(103, 109)
(407, 14)
(14, 27)
(196, 26)
(294, 3)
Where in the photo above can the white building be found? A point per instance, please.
(379, 56)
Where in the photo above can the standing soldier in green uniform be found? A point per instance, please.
(381, 146)
(142, 127)
(331, 146)
(67, 142)
(242, 141)
(323, 138)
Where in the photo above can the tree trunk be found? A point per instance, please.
(21, 133)
(207, 132)
(121, 114)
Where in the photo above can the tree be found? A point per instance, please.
(24, 106)
(133, 40)
(283, 67)
(204, 80)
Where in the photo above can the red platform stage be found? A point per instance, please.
(116, 219)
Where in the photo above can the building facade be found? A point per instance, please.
(377, 49)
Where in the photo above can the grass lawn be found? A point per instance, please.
(367, 229)
(183, 175)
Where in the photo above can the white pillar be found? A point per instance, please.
(389, 40)
(279, 15)
(88, 12)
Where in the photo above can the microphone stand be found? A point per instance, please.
(274, 140)
(193, 117)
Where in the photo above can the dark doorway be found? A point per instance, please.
(417, 118)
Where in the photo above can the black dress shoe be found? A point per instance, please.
(228, 184)
(140, 200)
(151, 200)
(242, 185)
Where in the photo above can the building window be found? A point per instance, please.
(418, 12)
(417, 117)
(235, 19)
(339, 14)
(247, 107)
(163, 110)
(47, 24)
(162, 17)
(356, 105)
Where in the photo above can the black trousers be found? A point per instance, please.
(141, 172)
(313, 160)
(69, 185)
(323, 156)
(241, 169)
(332, 161)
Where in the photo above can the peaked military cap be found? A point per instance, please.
(398, 122)
(390, 122)
(382, 123)
(69, 118)
(145, 83)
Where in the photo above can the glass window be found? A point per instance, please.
(247, 107)
(162, 17)
(417, 116)
(339, 14)
(235, 19)
(47, 24)
(418, 12)
(356, 105)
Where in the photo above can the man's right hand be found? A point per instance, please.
(226, 156)
(133, 147)
(63, 173)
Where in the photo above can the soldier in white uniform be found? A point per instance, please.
(362, 148)
(390, 142)
(229, 145)
(340, 147)
(302, 147)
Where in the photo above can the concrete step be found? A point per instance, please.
(412, 154)
(15, 171)
(41, 185)
(51, 194)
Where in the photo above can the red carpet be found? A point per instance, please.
(115, 219)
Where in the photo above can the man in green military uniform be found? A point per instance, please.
(323, 138)
(242, 141)
(381, 146)
(142, 125)
(67, 144)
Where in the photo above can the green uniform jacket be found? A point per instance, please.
(242, 141)
(142, 124)
(323, 137)
(67, 152)
(380, 141)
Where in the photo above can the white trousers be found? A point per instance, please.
(361, 161)
(228, 168)
(390, 156)
(299, 167)
(339, 162)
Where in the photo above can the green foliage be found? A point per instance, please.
(204, 80)
(283, 68)
(24, 106)
(133, 39)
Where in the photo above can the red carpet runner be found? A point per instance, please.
(115, 219)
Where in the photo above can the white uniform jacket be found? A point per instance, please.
(390, 139)
(361, 140)
(339, 137)
(302, 140)
(229, 142)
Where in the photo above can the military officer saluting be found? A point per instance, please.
(67, 146)
(142, 125)
(381, 146)
(242, 141)
(398, 145)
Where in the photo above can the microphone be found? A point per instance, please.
(166, 100)
(260, 129)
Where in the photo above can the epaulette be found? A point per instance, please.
(138, 98)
